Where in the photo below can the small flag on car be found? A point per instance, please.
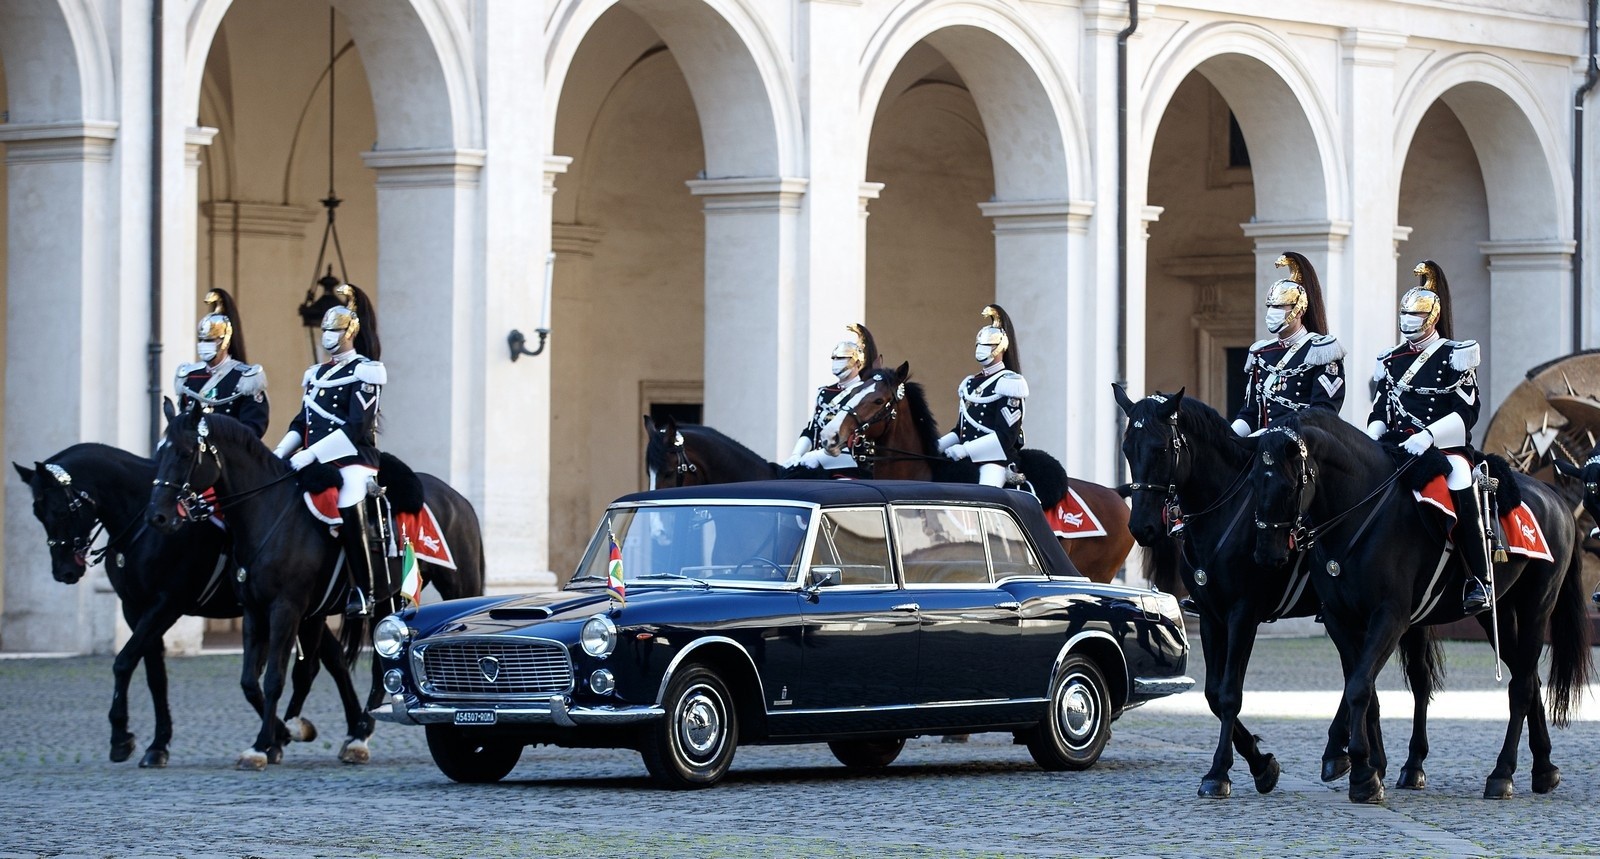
(614, 584)
(410, 577)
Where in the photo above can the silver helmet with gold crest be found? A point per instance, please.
(218, 331)
(997, 340)
(856, 354)
(1424, 307)
(1296, 297)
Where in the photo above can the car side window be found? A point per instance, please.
(857, 542)
(1009, 552)
(941, 545)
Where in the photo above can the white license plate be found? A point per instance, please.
(475, 717)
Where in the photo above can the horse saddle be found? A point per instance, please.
(396, 501)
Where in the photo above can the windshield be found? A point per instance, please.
(710, 543)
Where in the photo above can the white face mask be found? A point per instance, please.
(330, 340)
(1411, 326)
(983, 354)
(206, 349)
(1276, 317)
(840, 367)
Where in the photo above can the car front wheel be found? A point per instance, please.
(467, 756)
(1076, 730)
(867, 754)
(692, 745)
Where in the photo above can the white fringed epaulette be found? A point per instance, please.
(311, 373)
(1011, 384)
(193, 366)
(252, 380)
(371, 372)
(1324, 349)
(1464, 354)
(1262, 344)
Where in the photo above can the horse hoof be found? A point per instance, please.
(1497, 788)
(1334, 769)
(1267, 779)
(301, 730)
(251, 760)
(153, 759)
(1546, 781)
(122, 749)
(1411, 779)
(1216, 788)
(1369, 792)
(354, 751)
(275, 755)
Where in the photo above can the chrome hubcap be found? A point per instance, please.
(700, 723)
(1077, 711)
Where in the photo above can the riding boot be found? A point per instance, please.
(357, 559)
(1468, 536)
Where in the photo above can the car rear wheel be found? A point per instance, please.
(692, 745)
(465, 755)
(1076, 730)
(867, 754)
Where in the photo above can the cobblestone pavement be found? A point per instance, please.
(60, 796)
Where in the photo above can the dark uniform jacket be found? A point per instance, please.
(990, 421)
(242, 388)
(831, 400)
(1444, 383)
(1284, 378)
(338, 414)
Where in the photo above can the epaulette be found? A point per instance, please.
(1011, 384)
(191, 367)
(371, 372)
(311, 373)
(252, 379)
(1324, 349)
(1464, 354)
(1262, 344)
(1380, 371)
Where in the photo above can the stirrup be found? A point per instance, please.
(1476, 598)
(1188, 607)
(359, 605)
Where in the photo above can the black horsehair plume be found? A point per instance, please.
(1431, 277)
(223, 303)
(1302, 272)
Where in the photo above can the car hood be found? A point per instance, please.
(547, 614)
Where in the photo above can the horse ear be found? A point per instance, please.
(1121, 394)
(1173, 402)
(649, 425)
(168, 409)
(25, 473)
(670, 428)
(903, 372)
(1562, 467)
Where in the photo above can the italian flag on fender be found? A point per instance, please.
(410, 578)
(614, 584)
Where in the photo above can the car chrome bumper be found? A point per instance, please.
(555, 710)
(1157, 687)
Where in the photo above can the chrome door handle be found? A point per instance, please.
(906, 606)
(1010, 604)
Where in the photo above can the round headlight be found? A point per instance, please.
(390, 636)
(599, 636)
(601, 682)
(393, 681)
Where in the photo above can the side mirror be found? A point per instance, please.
(822, 577)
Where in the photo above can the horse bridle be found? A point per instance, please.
(193, 506)
(1175, 445)
(1301, 536)
(684, 466)
(77, 501)
(862, 447)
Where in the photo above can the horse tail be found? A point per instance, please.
(352, 636)
(1570, 656)
(1161, 565)
(1420, 648)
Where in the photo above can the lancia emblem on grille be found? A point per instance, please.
(490, 667)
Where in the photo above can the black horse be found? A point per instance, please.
(1181, 452)
(157, 577)
(1587, 474)
(694, 455)
(1379, 566)
(289, 564)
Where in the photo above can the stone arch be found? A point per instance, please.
(1285, 119)
(742, 87)
(38, 38)
(1032, 116)
(418, 57)
(1525, 173)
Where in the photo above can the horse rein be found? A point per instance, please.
(193, 506)
(79, 500)
(684, 466)
(1304, 534)
(1171, 514)
(886, 415)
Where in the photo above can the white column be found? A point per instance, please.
(61, 289)
(1366, 283)
(754, 365)
(1530, 299)
(579, 321)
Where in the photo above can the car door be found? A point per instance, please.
(970, 627)
(859, 636)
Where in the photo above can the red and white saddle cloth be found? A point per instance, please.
(1072, 519)
(427, 538)
(1523, 534)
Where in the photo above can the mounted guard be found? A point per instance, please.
(338, 425)
(1428, 397)
(1302, 366)
(989, 429)
(850, 358)
(221, 380)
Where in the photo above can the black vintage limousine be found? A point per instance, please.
(856, 613)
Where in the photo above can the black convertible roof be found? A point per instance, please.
(846, 493)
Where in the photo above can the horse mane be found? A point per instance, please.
(916, 400)
(1207, 426)
(91, 449)
(1346, 448)
(236, 435)
(655, 454)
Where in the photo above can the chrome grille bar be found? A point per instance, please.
(493, 667)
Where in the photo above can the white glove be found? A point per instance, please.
(946, 440)
(800, 448)
(290, 444)
(813, 459)
(1418, 443)
(301, 459)
(1240, 428)
(1376, 429)
(956, 451)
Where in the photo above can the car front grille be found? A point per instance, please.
(495, 667)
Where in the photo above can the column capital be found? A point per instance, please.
(1376, 48)
(425, 168)
(868, 192)
(752, 194)
(1297, 235)
(1529, 254)
(195, 137)
(1109, 17)
(51, 142)
(1039, 216)
(575, 239)
(257, 220)
(554, 165)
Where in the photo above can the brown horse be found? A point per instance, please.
(894, 434)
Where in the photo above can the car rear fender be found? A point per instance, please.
(733, 663)
(1106, 653)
